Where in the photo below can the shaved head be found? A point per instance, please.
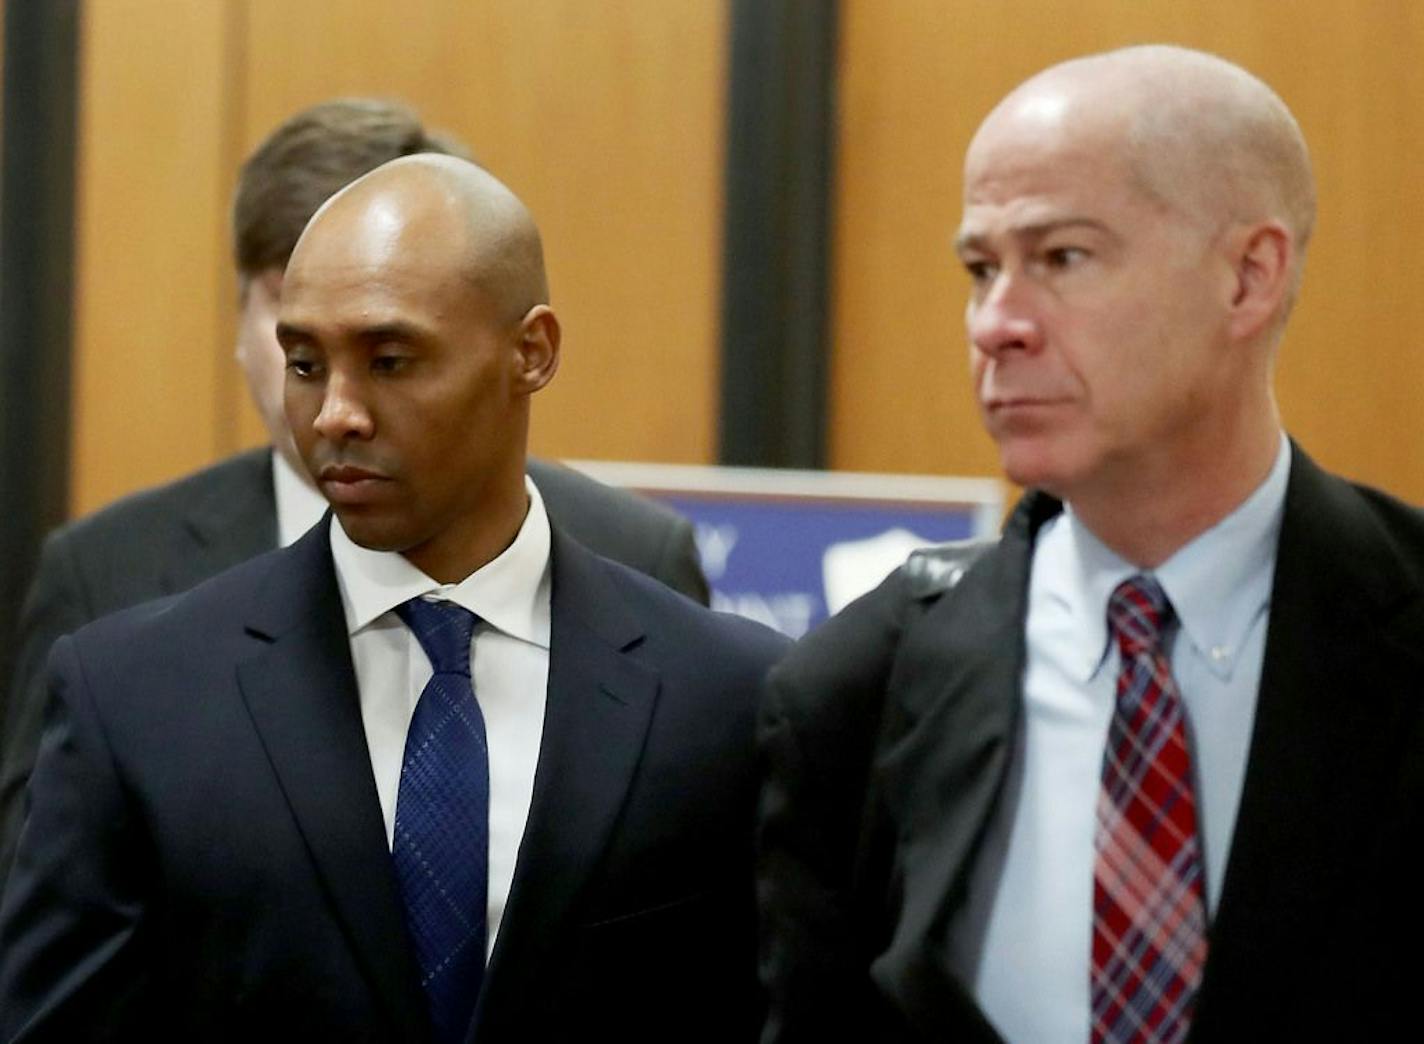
(452, 211)
(1202, 136)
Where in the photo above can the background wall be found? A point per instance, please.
(607, 118)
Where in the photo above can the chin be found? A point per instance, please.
(371, 534)
(1034, 466)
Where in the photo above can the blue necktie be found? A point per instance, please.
(441, 843)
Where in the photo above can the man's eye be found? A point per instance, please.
(1064, 257)
(389, 363)
(300, 367)
(979, 271)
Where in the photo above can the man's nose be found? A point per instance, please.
(1002, 318)
(344, 411)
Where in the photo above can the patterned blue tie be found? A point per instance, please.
(441, 844)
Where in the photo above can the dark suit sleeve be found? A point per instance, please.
(820, 867)
(622, 525)
(679, 566)
(71, 918)
(55, 605)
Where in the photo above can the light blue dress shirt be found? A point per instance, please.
(1023, 941)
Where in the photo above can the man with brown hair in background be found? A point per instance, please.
(165, 540)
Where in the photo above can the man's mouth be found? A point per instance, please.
(1021, 402)
(349, 484)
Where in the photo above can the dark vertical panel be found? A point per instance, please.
(36, 253)
(777, 245)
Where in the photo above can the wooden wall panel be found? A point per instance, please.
(917, 76)
(151, 297)
(606, 118)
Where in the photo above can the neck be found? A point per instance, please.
(1164, 505)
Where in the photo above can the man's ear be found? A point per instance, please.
(538, 348)
(1264, 263)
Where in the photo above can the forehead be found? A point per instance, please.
(347, 271)
(1038, 165)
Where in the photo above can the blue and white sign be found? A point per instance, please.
(789, 548)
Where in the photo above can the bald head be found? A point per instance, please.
(447, 211)
(1201, 135)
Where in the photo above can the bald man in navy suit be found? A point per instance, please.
(164, 540)
(219, 845)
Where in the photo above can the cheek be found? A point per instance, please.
(978, 363)
(269, 381)
(301, 403)
(434, 433)
(257, 349)
(1140, 386)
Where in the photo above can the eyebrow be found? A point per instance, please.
(377, 333)
(1037, 230)
(291, 332)
(394, 330)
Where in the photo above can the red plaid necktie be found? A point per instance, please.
(1149, 917)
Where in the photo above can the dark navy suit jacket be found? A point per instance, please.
(165, 540)
(205, 857)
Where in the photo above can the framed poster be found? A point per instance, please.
(789, 548)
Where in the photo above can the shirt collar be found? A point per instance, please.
(299, 504)
(510, 593)
(1217, 584)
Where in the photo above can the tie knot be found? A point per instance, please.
(1138, 614)
(444, 630)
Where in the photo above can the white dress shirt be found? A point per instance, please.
(300, 505)
(1023, 942)
(509, 666)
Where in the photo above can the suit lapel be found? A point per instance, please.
(227, 525)
(1336, 672)
(300, 690)
(956, 688)
(600, 702)
(1324, 737)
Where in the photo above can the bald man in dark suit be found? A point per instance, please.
(165, 540)
(1151, 766)
(435, 771)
